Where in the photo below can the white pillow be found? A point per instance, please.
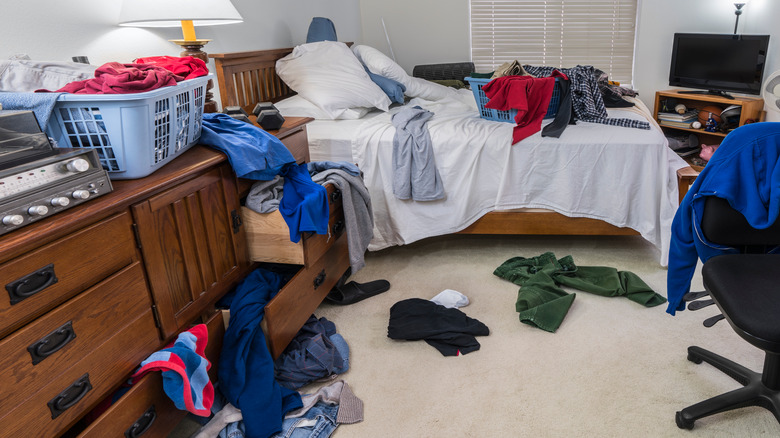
(296, 106)
(380, 64)
(328, 74)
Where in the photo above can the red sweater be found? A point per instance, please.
(528, 95)
(186, 66)
(116, 78)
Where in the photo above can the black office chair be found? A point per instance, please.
(746, 288)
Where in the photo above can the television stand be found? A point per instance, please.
(709, 92)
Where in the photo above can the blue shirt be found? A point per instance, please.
(246, 368)
(252, 152)
(745, 170)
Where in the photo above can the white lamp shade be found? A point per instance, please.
(170, 13)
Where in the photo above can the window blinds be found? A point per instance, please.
(559, 33)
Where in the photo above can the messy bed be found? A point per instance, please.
(596, 178)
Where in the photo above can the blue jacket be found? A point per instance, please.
(745, 170)
(246, 368)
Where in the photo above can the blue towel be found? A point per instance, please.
(253, 153)
(42, 104)
(246, 369)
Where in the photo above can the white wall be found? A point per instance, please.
(420, 31)
(434, 31)
(56, 30)
(660, 19)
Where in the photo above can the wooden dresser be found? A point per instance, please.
(94, 290)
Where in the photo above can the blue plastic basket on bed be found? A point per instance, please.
(508, 116)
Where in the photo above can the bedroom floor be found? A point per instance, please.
(614, 368)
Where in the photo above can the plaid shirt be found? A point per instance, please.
(586, 96)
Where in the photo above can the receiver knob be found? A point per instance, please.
(60, 201)
(38, 210)
(13, 219)
(77, 165)
(80, 194)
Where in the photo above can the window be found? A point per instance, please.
(559, 33)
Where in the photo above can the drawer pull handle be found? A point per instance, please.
(236, 221)
(51, 343)
(31, 284)
(338, 227)
(69, 397)
(335, 196)
(319, 279)
(142, 424)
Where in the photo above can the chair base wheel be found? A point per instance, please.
(694, 358)
(682, 423)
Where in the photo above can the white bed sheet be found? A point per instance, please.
(623, 176)
(331, 140)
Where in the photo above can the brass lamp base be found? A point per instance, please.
(194, 48)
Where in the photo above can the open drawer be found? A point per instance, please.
(286, 313)
(269, 237)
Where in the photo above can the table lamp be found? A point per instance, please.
(184, 13)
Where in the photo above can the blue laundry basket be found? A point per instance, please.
(508, 116)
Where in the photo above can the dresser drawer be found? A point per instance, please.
(146, 410)
(39, 352)
(286, 313)
(49, 275)
(268, 235)
(63, 399)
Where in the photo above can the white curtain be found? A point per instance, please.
(558, 33)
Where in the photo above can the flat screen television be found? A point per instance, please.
(718, 63)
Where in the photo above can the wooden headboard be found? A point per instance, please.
(246, 78)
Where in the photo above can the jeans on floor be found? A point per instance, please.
(317, 422)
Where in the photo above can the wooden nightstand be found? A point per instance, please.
(751, 110)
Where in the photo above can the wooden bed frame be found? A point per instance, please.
(246, 78)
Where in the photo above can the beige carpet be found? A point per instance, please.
(613, 369)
